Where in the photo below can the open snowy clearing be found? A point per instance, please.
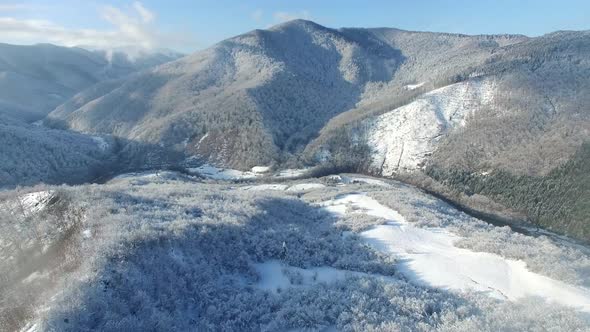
(300, 187)
(428, 257)
(215, 173)
(276, 276)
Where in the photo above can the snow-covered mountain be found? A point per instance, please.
(35, 79)
(273, 232)
(383, 101)
(259, 97)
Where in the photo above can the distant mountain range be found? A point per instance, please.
(493, 122)
(35, 79)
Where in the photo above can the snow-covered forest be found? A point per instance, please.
(163, 250)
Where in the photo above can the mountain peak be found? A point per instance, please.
(298, 23)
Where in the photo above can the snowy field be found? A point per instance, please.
(343, 252)
(215, 173)
(428, 256)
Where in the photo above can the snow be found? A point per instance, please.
(414, 86)
(212, 172)
(147, 174)
(203, 138)
(87, 233)
(275, 276)
(427, 256)
(260, 169)
(262, 187)
(30, 328)
(300, 187)
(35, 201)
(402, 138)
(291, 173)
(348, 180)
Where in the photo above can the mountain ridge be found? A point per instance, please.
(381, 101)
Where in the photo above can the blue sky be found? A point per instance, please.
(189, 25)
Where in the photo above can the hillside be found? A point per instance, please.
(260, 97)
(31, 154)
(345, 252)
(523, 114)
(381, 101)
(35, 79)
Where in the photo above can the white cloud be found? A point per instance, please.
(132, 28)
(281, 16)
(146, 15)
(257, 15)
(12, 7)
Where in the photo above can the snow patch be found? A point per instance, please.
(402, 139)
(291, 173)
(260, 169)
(275, 276)
(354, 180)
(34, 202)
(300, 187)
(203, 138)
(429, 257)
(147, 174)
(414, 86)
(262, 187)
(215, 173)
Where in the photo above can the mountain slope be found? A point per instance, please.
(506, 132)
(383, 101)
(31, 154)
(35, 79)
(262, 96)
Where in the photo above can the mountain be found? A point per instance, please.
(31, 154)
(259, 97)
(416, 105)
(35, 79)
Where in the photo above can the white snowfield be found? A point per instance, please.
(402, 138)
(428, 257)
(263, 187)
(216, 173)
(300, 187)
(260, 169)
(291, 173)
